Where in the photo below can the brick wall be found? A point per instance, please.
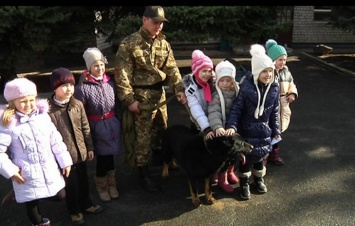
(305, 30)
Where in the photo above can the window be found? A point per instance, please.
(322, 13)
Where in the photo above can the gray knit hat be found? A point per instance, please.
(91, 55)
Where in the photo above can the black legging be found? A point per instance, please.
(104, 163)
(32, 207)
(77, 189)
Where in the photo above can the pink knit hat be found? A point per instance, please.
(19, 87)
(200, 61)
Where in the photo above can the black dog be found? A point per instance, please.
(199, 158)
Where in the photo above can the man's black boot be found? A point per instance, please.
(147, 181)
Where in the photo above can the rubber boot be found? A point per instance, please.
(244, 185)
(111, 183)
(102, 188)
(259, 180)
(275, 158)
(223, 182)
(147, 181)
(232, 178)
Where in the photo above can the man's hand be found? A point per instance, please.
(134, 107)
(290, 98)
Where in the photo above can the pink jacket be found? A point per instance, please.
(36, 148)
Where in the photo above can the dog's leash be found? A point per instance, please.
(129, 133)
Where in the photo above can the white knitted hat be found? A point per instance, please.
(91, 55)
(223, 69)
(259, 62)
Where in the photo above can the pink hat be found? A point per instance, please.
(200, 61)
(19, 87)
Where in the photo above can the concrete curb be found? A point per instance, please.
(329, 66)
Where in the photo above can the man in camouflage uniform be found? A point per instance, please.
(144, 62)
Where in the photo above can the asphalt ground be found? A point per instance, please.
(314, 187)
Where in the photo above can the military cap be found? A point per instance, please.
(156, 13)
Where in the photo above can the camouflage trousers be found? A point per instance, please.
(149, 125)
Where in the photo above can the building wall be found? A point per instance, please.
(307, 31)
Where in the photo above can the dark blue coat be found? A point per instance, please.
(257, 132)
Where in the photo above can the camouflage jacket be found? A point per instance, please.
(142, 61)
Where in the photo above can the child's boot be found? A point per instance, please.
(232, 178)
(259, 180)
(102, 188)
(244, 185)
(223, 182)
(111, 183)
(275, 157)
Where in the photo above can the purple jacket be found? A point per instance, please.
(36, 148)
(99, 97)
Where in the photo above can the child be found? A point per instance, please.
(288, 92)
(218, 111)
(254, 115)
(97, 92)
(37, 154)
(198, 92)
(68, 113)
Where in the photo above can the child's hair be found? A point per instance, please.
(233, 84)
(8, 113)
(226, 69)
(16, 88)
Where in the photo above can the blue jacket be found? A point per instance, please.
(257, 132)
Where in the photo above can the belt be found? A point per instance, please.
(101, 117)
(156, 86)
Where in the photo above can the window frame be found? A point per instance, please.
(322, 13)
